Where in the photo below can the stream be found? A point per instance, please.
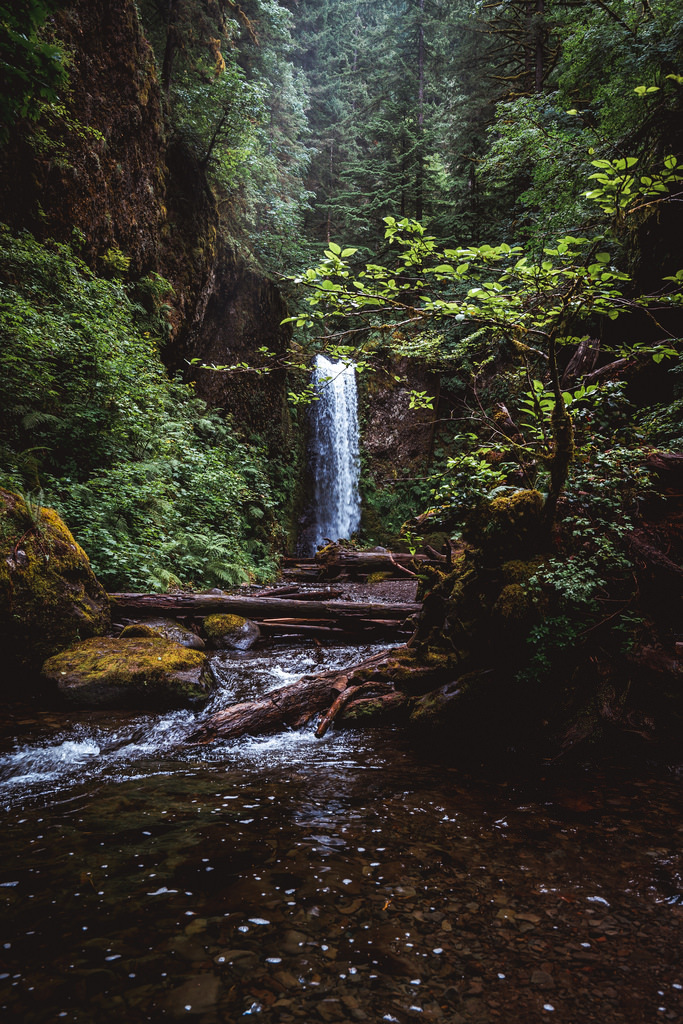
(358, 878)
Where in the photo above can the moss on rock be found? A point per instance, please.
(510, 525)
(49, 595)
(513, 604)
(133, 672)
(231, 631)
(168, 629)
(138, 629)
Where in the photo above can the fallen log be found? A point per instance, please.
(295, 704)
(350, 622)
(346, 697)
(312, 632)
(328, 718)
(291, 704)
(255, 607)
(609, 371)
(364, 631)
(287, 591)
(301, 595)
(335, 558)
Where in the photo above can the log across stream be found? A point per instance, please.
(326, 694)
(304, 615)
(368, 685)
(379, 689)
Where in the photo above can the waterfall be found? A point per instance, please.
(334, 460)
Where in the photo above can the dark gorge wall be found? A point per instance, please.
(102, 172)
(95, 162)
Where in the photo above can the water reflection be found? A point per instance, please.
(354, 879)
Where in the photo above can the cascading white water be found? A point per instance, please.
(334, 458)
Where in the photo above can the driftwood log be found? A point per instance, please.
(337, 562)
(360, 631)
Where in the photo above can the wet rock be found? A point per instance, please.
(231, 631)
(292, 941)
(168, 629)
(229, 956)
(286, 978)
(49, 595)
(196, 996)
(138, 629)
(130, 673)
(541, 979)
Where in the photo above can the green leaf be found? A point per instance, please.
(336, 249)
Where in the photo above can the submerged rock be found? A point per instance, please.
(168, 629)
(49, 595)
(231, 631)
(130, 673)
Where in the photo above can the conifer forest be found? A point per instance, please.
(341, 510)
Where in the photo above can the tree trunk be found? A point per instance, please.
(563, 438)
(170, 47)
(419, 181)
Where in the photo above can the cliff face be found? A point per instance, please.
(104, 166)
(98, 163)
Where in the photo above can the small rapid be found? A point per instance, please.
(89, 748)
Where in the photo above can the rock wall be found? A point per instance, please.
(98, 165)
(396, 445)
(396, 437)
(116, 178)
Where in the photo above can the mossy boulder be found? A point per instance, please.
(139, 629)
(133, 672)
(231, 631)
(510, 526)
(513, 605)
(169, 629)
(49, 595)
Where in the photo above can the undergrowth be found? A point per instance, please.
(160, 491)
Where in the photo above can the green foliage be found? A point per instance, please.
(116, 262)
(32, 70)
(215, 113)
(158, 490)
(469, 480)
(619, 192)
(236, 99)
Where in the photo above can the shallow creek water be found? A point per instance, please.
(355, 878)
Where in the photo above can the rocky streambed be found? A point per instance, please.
(354, 878)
